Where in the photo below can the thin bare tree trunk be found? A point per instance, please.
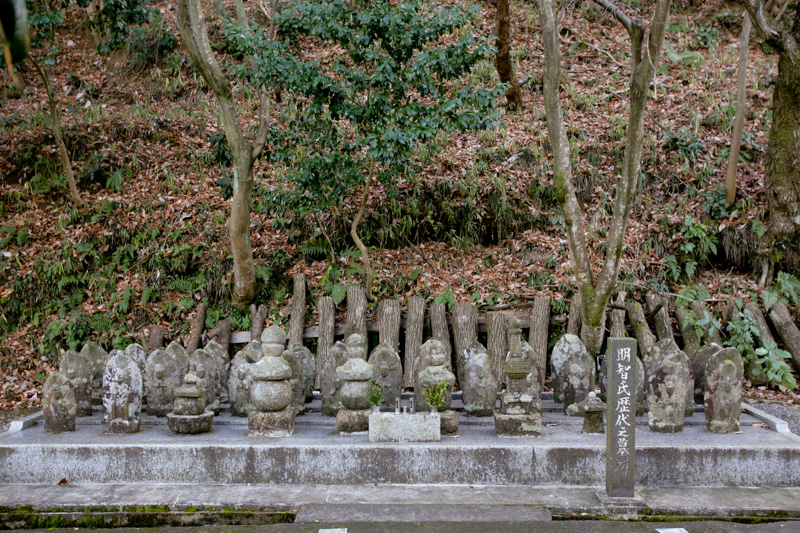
(497, 342)
(539, 332)
(155, 340)
(196, 331)
(465, 331)
(440, 330)
(618, 317)
(356, 312)
(691, 344)
(389, 323)
(297, 320)
(741, 111)
(354, 231)
(257, 317)
(414, 326)
(661, 317)
(782, 320)
(641, 330)
(327, 329)
(55, 126)
(502, 61)
(241, 14)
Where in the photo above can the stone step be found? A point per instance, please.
(418, 514)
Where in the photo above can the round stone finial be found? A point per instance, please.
(273, 335)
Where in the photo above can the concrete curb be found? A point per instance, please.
(774, 423)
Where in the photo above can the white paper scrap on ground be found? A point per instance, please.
(336, 530)
(667, 530)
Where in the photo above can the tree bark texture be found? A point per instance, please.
(539, 332)
(641, 330)
(356, 312)
(782, 173)
(741, 111)
(465, 331)
(196, 331)
(156, 339)
(440, 330)
(223, 332)
(618, 317)
(502, 61)
(661, 317)
(354, 231)
(782, 320)
(389, 323)
(574, 318)
(257, 317)
(691, 344)
(497, 342)
(753, 371)
(709, 335)
(327, 329)
(297, 320)
(415, 321)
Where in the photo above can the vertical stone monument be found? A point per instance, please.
(294, 359)
(58, 404)
(161, 378)
(355, 376)
(77, 370)
(723, 391)
(122, 394)
(699, 362)
(180, 355)
(97, 358)
(388, 373)
(271, 394)
(138, 354)
(308, 368)
(668, 381)
(219, 354)
(578, 378)
(621, 416)
(190, 416)
(204, 366)
(567, 345)
(478, 381)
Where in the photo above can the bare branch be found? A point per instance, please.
(264, 115)
(763, 26)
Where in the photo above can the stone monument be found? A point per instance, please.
(723, 391)
(239, 379)
(432, 375)
(667, 369)
(219, 354)
(578, 377)
(699, 362)
(138, 354)
(478, 382)
(180, 355)
(355, 376)
(566, 346)
(190, 416)
(388, 373)
(621, 409)
(520, 413)
(97, 358)
(122, 394)
(271, 395)
(204, 366)
(161, 378)
(77, 370)
(58, 404)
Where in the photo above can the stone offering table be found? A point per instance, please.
(405, 427)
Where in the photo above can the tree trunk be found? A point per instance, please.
(782, 320)
(241, 14)
(55, 126)
(155, 340)
(356, 312)
(497, 342)
(389, 323)
(641, 330)
(297, 320)
(257, 317)
(414, 326)
(741, 111)
(691, 344)
(196, 331)
(574, 319)
(502, 61)
(539, 332)
(440, 329)
(465, 331)
(327, 327)
(661, 318)
(224, 330)
(244, 270)
(354, 231)
(618, 317)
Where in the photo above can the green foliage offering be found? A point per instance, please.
(785, 289)
(395, 86)
(435, 394)
(773, 362)
(375, 394)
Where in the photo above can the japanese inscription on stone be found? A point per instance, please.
(621, 417)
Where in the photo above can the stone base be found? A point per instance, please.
(665, 427)
(518, 425)
(722, 426)
(275, 424)
(348, 421)
(404, 427)
(120, 425)
(85, 410)
(58, 426)
(449, 422)
(190, 424)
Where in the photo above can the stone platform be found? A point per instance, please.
(317, 455)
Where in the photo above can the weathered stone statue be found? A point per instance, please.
(138, 354)
(271, 395)
(97, 358)
(566, 346)
(239, 379)
(478, 382)
(520, 413)
(355, 376)
(181, 356)
(219, 354)
(190, 416)
(388, 373)
(521, 349)
(578, 378)
(161, 378)
(203, 365)
(77, 370)
(667, 374)
(122, 394)
(58, 404)
(592, 409)
(432, 375)
(699, 363)
(308, 367)
(723, 391)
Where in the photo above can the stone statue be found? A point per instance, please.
(723, 391)
(122, 394)
(432, 375)
(58, 404)
(137, 353)
(77, 370)
(308, 368)
(203, 365)
(478, 382)
(271, 394)
(699, 362)
(578, 378)
(520, 413)
(180, 355)
(161, 378)
(355, 376)
(591, 409)
(97, 358)
(190, 416)
(219, 354)
(667, 374)
(388, 373)
(566, 346)
(239, 379)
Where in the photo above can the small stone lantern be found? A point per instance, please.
(520, 413)
(189, 415)
(271, 395)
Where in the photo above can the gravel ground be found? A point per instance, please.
(789, 413)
